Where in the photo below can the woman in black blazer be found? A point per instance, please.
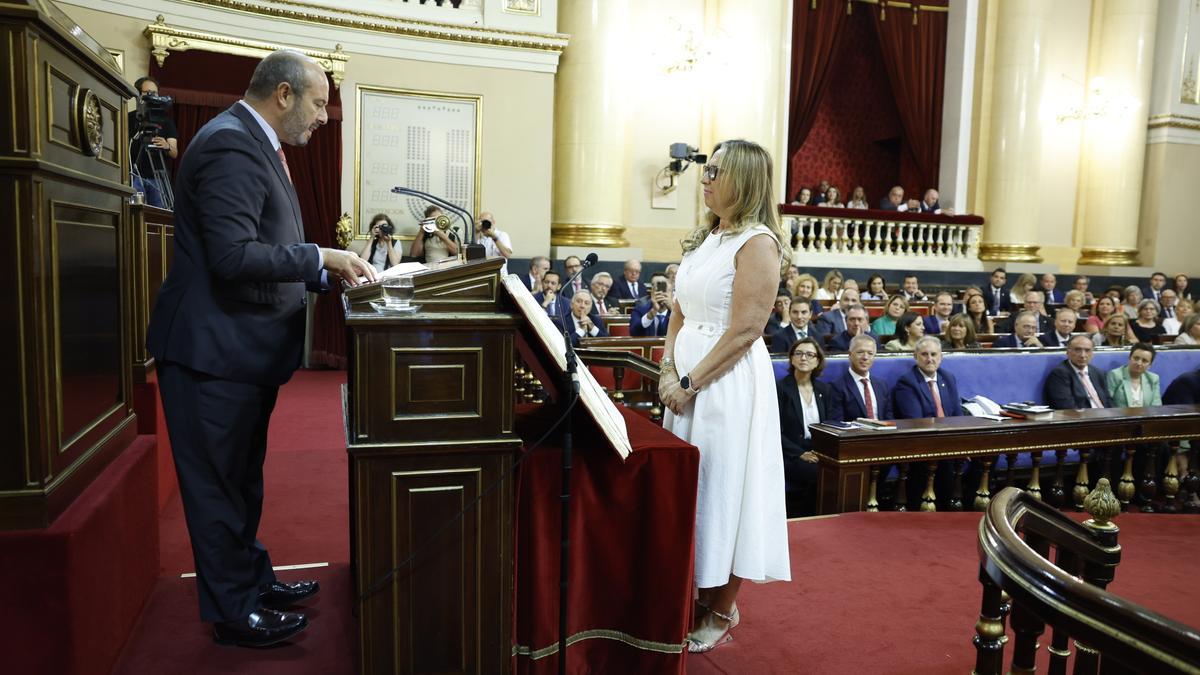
(798, 391)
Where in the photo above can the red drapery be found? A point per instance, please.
(913, 55)
(203, 85)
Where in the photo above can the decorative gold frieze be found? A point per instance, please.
(577, 234)
(1010, 252)
(1109, 256)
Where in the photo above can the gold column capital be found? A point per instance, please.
(1109, 256)
(586, 234)
(1010, 252)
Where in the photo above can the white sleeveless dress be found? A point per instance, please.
(741, 517)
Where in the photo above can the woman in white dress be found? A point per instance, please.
(725, 402)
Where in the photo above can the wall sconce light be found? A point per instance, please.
(1101, 104)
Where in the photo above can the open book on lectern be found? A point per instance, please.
(595, 400)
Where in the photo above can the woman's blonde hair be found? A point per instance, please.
(794, 285)
(747, 166)
(1025, 283)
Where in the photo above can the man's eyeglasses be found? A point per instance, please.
(711, 171)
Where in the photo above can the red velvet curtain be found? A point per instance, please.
(816, 29)
(203, 85)
(914, 53)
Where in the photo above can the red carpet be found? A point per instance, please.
(871, 593)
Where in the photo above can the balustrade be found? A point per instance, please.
(849, 235)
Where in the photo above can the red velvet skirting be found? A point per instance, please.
(632, 524)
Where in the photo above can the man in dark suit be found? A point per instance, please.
(628, 287)
(995, 295)
(581, 319)
(798, 328)
(856, 394)
(1158, 281)
(894, 201)
(532, 279)
(1074, 384)
(856, 324)
(1025, 333)
(943, 307)
(926, 390)
(550, 299)
(1064, 325)
(1052, 295)
(651, 316)
(228, 329)
(1183, 390)
(931, 204)
(571, 266)
(833, 321)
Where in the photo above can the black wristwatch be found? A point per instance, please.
(686, 383)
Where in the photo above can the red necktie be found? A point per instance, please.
(866, 385)
(283, 160)
(937, 399)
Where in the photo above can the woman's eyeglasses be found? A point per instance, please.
(711, 171)
(804, 355)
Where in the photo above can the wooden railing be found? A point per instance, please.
(869, 238)
(1110, 634)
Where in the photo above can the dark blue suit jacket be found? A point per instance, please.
(558, 322)
(1064, 391)
(620, 290)
(912, 399)
(232, 305)
(990, 299)
(847, 399)
(791, 414)
(1184, 390)
(931, 325)
(525, 281)
(635, 321)
(841, 342)
(1054, 297)
(561, 306)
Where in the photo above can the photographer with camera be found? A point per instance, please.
(496, 242)
(153, 143)
(435, 241)
(382, 252)
(650, 317)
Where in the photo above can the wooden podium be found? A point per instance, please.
(429, 419)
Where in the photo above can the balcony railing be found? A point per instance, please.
(873, 238)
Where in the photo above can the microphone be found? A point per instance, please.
(590, 260)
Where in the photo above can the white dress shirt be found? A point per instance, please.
(579, 328)
(493, 251)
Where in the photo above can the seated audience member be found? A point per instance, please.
(943, 307)
(926, 390)
(819, 193)
(779, 313)
(831, 287)
(1117, 293)
(582, 323)
(496, 242)
(532, 279)
(1074, 384)
(1034, 303)
(910, 288)
(550, 299)
(1189, 332)
(886, 324)
(1179, 326)
(571, 265)
(875, 289)
(1077, 301)
(1081, 284)
(960, 333)
(1053, 295)
(1167, 301)
(858, 199)
(1064, 325)
(997, 298)
(1133, 385)
(804, 289)
(601, 282)
(434, 246)
(930, 204)
(1158, 282)
(1183, 390)
(1104, 308)
(1025, 333)
(1132, 296)
(1021, 288)
(798, 328)
(381, 252)
(1147, 326)
(833, 198)
(856, 325)
(786, 279)
(628, 287)
(803, 197)
(833, 322)
(856, 394)
(803, 400)
(976, 310)
(1181, 287)
(909, 329)
(847, 284)
(894, 201)
(673, 268)
(650, 316)
(1115, 333)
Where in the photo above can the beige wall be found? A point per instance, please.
(517, 124)
(1170, 228)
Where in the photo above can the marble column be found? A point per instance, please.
(747, 85)
(589, 125)
(1015, 146)
(1115, 141)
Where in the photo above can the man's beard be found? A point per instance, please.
(294, 127)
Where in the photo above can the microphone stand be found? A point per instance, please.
(472, 246)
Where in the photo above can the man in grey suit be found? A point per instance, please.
(228, 329)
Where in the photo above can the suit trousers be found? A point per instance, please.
(218, 432)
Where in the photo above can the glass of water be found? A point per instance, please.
(398, 292)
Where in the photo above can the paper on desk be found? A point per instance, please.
(397, 270)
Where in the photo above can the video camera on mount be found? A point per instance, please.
(151, 115)
(683, 155)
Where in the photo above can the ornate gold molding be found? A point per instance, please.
(322, 15)
(165, 39)
(1109, 256)
(1010, 252)
(1174, 122)
(575, 234)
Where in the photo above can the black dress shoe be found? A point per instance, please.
(279, 595)
(261, 629)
